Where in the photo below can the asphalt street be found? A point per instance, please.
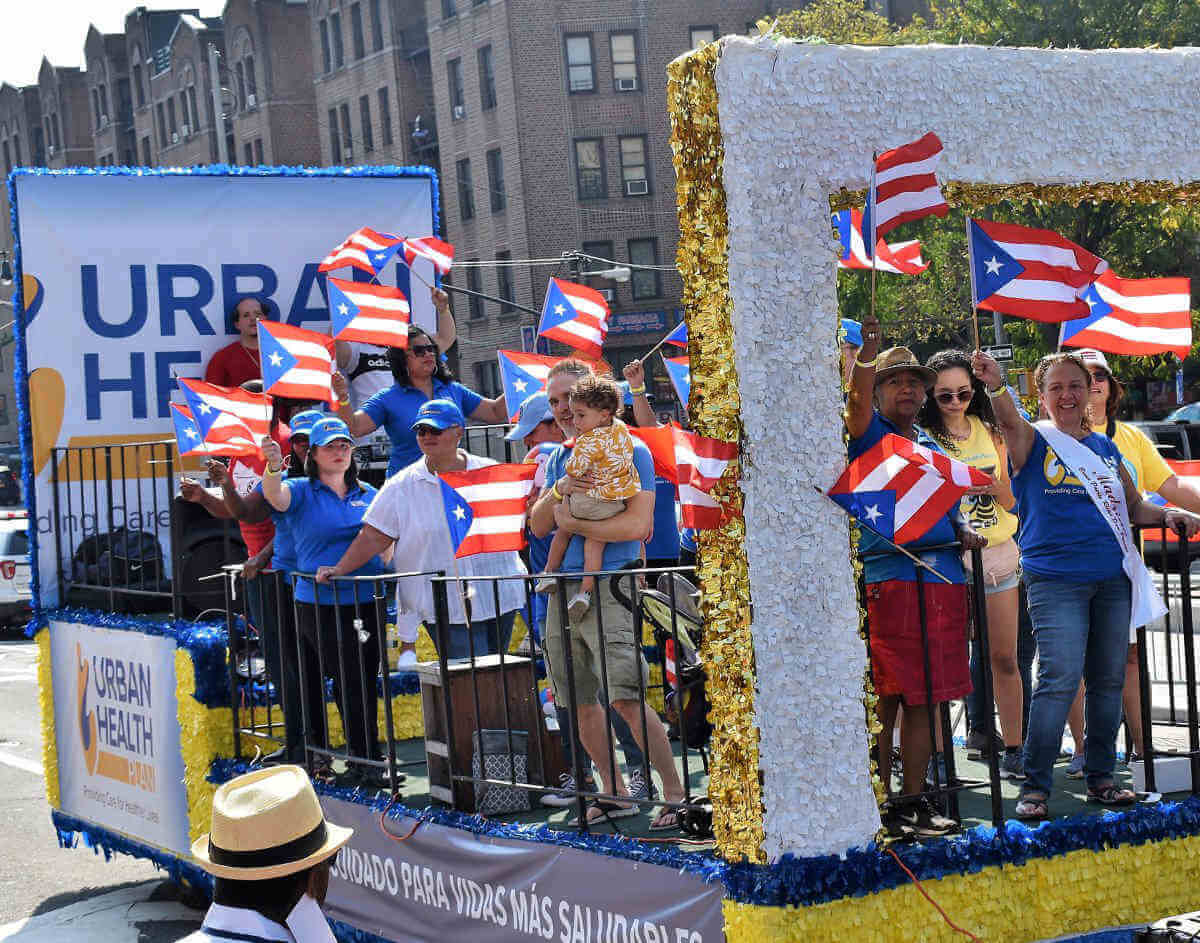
(52, 894)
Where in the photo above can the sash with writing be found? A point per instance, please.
(1103, 486)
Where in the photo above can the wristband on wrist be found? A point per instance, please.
(344, 402)
(868, 365)
(640, 391)
(554, 491)
(272, 472)
(998, 391)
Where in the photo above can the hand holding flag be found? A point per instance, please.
(296, 363)
(485, 507)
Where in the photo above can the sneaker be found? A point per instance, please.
(1012, 765)
(893, 824)
(639, 787)
(920, 816)
(1075, 767)
(565, 795)
(980, 745)
(544, 585)
(578, 607)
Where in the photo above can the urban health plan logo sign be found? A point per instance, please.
(117, 732)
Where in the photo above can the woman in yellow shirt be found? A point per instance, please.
(959, 416)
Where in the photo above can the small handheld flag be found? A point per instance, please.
(522, 375)
(372, 314)
(440, 253)
(364, 249)
(1134, 316)
(485, 507)
(899, 489)
(575, 315)
(225, 413)
(678, 336)
(901, 258)
(1029, 273)
(191, 442)
(904, 188)
(680, 371)
(296, 363)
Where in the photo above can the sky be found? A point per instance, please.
(30, 29)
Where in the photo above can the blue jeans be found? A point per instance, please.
(490, 636)
(1082, 631)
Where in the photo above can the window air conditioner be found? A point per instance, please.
(174, 137)
(626, 85)
(636, 187)
(608, 294)
(251, 100)
(459, 112)
(187, 130)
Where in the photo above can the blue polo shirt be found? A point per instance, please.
(283, 553)
(617, 554)
(880, 559)
(395, 409)
(322, 527)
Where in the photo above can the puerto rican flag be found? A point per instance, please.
(372, 314)
(225, 414)
(899, 489)
(364, 249)
(904, 187)
(679, 369)
(694, 463)
(485, 507)
(296, 363)
(191, 442)
(1029, 273)
(575, 315)
(901, 258)
(679, 336)
(522, 375)
(1134, 316)
(440, 253)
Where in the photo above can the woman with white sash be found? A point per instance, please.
(1086, 582)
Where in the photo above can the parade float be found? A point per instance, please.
(127, 275)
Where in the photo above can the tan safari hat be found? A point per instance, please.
(896, 359)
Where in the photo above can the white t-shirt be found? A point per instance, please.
(409, 507)
(368, 371)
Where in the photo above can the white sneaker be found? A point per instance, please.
(578, 607)
(544, 585)
(407, 658)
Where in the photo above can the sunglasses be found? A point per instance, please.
(420, 350)
(428, 430)
(963, 396)
(1099, 376)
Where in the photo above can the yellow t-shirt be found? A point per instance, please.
(1142, 460)
(982, 511)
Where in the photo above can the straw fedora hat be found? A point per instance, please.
(896, 359)
(267, 824)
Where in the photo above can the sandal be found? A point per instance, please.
(605, 811)
(667, 820)
(1111, 794)
(1032, 807)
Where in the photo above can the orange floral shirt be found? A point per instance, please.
(607, 453)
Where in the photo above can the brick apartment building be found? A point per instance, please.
(147, 37)
(63, 96)
(106, 61)
(374, 88)
(180, 93)
(269, 69)
(554, 136)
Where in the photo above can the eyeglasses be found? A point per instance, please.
(963, 396)
(1099, 376)
(420, 350)
(428, 430)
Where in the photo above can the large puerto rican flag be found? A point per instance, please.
(901, 258)
(899, 489)
(694, 463)
(364, 249)
(296, 363)
(485, 507)
(1029, 273)
(227, 413)
(1134, 316)
(372, 314)
(522, 375)
(575, 315)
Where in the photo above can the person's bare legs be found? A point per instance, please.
(1131, 700)
(593, 559)
(593, 732)
(916, 747)
(659, 747)
(886, 708)
(558, 550)
(1006, 676)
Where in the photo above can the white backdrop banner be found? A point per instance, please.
(136, 275)
(116, 727)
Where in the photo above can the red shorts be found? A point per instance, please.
(894, 630)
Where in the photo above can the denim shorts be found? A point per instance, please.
(1001, 567)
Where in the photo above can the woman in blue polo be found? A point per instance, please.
(324, 509)
(420, 376)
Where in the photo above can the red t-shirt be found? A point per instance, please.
(247, 472)
(233, 365)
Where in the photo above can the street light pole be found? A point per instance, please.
(214, 74)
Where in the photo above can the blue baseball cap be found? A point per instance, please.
(302, 422)
(439, 413)
(327, 430)
(851, 332)
(534, 410)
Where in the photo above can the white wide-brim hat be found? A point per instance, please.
(267, 824)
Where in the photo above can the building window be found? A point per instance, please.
(633, 166)
(356, 31)
(581, 64)
(376, 26)
(138, 89)
(258, 151)
(449, 9)
(495, 168)
(184, 121)
(96, 108)
(162, 126)
(466, 190)
(104, 101)
(702, 34)
(249, 154)
(195, 111)
(7, 159)
(475, 283)
(458, 104)
(600, 250)
(589, 169)
(171, 125)
(335, 139)
(487, 378)
(624, 61)
(240, 75)
(57, 125)
(385, 117)
(487, 79)
(326, 58)
(504, 282)
(645, 283)
(146, 161)
(16, 142)
(347, 131)
(251, 82)
(364, 113)
(335, 36)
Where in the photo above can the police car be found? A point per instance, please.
(14, 568)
